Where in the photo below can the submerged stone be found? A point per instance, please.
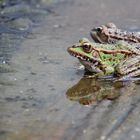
(20, 24)
(20, 10)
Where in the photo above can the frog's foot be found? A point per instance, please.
(123, 79)
(133, 76)
(90, 76)
(94, 75)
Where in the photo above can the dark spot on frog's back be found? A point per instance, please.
(104, 57)
(114, 59)
(110, 58)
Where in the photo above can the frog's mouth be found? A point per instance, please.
(86, 59)
(82, 56)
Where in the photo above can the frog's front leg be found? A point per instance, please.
(107, 70)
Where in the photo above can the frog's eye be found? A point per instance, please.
(87, 48)
(99, 29)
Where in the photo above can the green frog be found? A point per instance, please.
(109, 33)
(121, 58)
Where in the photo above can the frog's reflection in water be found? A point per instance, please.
(90, 91)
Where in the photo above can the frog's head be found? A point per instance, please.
(87, 54)
(104, 33)
(83, 51)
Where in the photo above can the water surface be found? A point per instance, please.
(33, 100)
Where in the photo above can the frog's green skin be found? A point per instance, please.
(109, 33)
(89, 91)
(105, 59)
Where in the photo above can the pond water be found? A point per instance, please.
(42, 93)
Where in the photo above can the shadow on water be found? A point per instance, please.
(88, 91)
(95, 93)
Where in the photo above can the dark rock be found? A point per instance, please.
(20, 10)
(20, 24)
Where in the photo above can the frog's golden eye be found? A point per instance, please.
(87, 48)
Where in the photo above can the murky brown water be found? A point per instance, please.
(33, 100)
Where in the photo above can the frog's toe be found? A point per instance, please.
(127, 78)
(90, 76)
